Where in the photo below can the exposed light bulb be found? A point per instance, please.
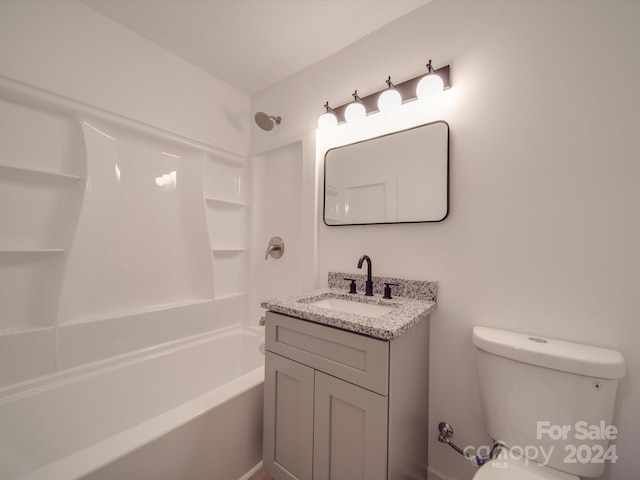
(327, 121)
(355, 112)
(430, 86)
(389, 100)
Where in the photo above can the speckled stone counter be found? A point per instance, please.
(416, 289)
(406, 311)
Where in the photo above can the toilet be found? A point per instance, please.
(550, 402)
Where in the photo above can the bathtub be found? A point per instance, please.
(188, 409)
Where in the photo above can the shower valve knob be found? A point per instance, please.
(275, 249)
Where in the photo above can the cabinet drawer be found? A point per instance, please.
(355, 358)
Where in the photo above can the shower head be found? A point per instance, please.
(265, 122)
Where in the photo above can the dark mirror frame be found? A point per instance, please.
(446, 214)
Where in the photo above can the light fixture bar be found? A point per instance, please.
(407, 89)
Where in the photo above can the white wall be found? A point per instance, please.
(67, 48)
(543, 230)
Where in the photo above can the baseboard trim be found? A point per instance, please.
(433, 474)
(248, 475)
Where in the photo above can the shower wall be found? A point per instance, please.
(283, 177)
(124, 226)
(276, 210)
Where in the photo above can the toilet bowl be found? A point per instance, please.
(539, 396)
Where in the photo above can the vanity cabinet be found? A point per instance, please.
(344, 406)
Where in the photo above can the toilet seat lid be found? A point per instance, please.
(519, 470)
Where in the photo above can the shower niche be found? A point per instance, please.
(225, 198)
(41, 168)
(42, 176)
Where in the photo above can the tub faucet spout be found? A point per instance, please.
(369, 284)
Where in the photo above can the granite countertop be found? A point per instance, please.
(406, 312)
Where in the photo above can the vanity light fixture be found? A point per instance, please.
(423, 87)
(328, 119)
(355, 111)
(429, 86)
(390, 99)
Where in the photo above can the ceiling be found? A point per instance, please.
(253, 44)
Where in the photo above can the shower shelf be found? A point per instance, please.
(229, 158)
(224, 193)
(24, 330)
(228, 250)
(31, 251)
(135, 311)
(35, 175)
(228, 295)
(220, 203)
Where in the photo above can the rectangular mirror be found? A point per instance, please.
(402, 177)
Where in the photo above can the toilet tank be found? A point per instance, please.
(550, 400)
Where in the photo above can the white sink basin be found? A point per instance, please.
(347, 306)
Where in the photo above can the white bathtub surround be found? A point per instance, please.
(116, 413)
(112, 230)
(123, 184)
(122, 254)
(280, 173)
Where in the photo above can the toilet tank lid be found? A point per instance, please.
(546, 352)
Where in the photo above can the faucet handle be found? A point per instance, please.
(275, 248)
(352, 287)
(387, 289)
